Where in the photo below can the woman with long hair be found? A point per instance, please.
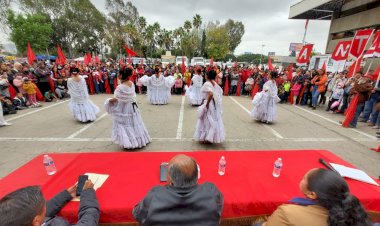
(83, 109)
(128, 129)
(264, 103)
(328, 203)
(210, 127)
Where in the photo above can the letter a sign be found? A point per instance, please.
(341, 51)
(359, 42)
(304, 55)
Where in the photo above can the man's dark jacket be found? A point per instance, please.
(88, 214)
(199, 205)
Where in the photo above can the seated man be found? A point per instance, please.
(27, 206)
(50, 96)
(182, 201)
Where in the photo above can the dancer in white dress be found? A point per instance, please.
(158, 87)
(128, 129)
(2, 120)
(83, 109)
(264, 103)
(210, 127)
(193, 93)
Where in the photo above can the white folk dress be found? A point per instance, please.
(82, 108)
(264, 103)
(158, 88)
(128, 129)
(210, 125)
(193, 94)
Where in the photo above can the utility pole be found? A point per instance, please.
(262, 49)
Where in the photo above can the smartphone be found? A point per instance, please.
(163, 171)
(81, 180)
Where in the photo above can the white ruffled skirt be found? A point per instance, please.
(210, 125)
(264, 107)
(194, 95)
(84, 112)
(128, 129)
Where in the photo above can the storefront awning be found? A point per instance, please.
(315, 9)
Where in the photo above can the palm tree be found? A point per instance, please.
(197, 21)
(187, 26)
(142, 23)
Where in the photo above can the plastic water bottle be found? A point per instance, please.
(222, 166)
(277, 167)
(49, 165)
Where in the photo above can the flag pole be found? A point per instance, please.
(304, 34)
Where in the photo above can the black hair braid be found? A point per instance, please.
(356, 215)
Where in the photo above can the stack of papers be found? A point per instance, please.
(97, 179)
(353, 173)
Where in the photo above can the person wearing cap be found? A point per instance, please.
(82, 108)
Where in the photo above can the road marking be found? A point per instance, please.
(62, 139)
(274, 132)
(336, 123)
(180, 119)
(86, 127)
(38, 110)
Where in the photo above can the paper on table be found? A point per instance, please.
(97, 179)
(352, 173)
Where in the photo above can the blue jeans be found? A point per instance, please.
(375, 118)
(359, 109)
(315, 96)
(96, 86)
(368, 108)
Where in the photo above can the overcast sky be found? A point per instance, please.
(266, 21)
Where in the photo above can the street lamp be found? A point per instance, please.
(262, 49)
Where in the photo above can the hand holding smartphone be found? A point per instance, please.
(81, 181)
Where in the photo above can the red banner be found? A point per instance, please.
(374, 50)
(341, 51)
(304, 55)
(130, 52)
(359, 42)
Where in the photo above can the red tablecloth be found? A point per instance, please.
(248, 186)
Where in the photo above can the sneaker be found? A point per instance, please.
(376, 127)
(6, 124)
(371, 124)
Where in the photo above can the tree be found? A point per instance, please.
(187, 26)
(197, 21)
(203, 44)
(235, 32)
(217, 42)
(4, 7)
(36, 29)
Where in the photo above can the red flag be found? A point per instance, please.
(212, 62)
(183, 66)
(350, 112)
(39, 95)
(107, 86)
(374, 50)
(130, 52)
(12, 92)
(89, 57)
(341, 51)
(324, 66)
(359, 42)
(355, 67)
(238, 88)
(61, 55)
(30, 55)
(289, 76)
(97, 61)
(304, 55)
(270, 65)
(51, 83)
(254, 90)
(226, 87)
(301, 94)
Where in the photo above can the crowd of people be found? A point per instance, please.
(327, 201)
(24, 86)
